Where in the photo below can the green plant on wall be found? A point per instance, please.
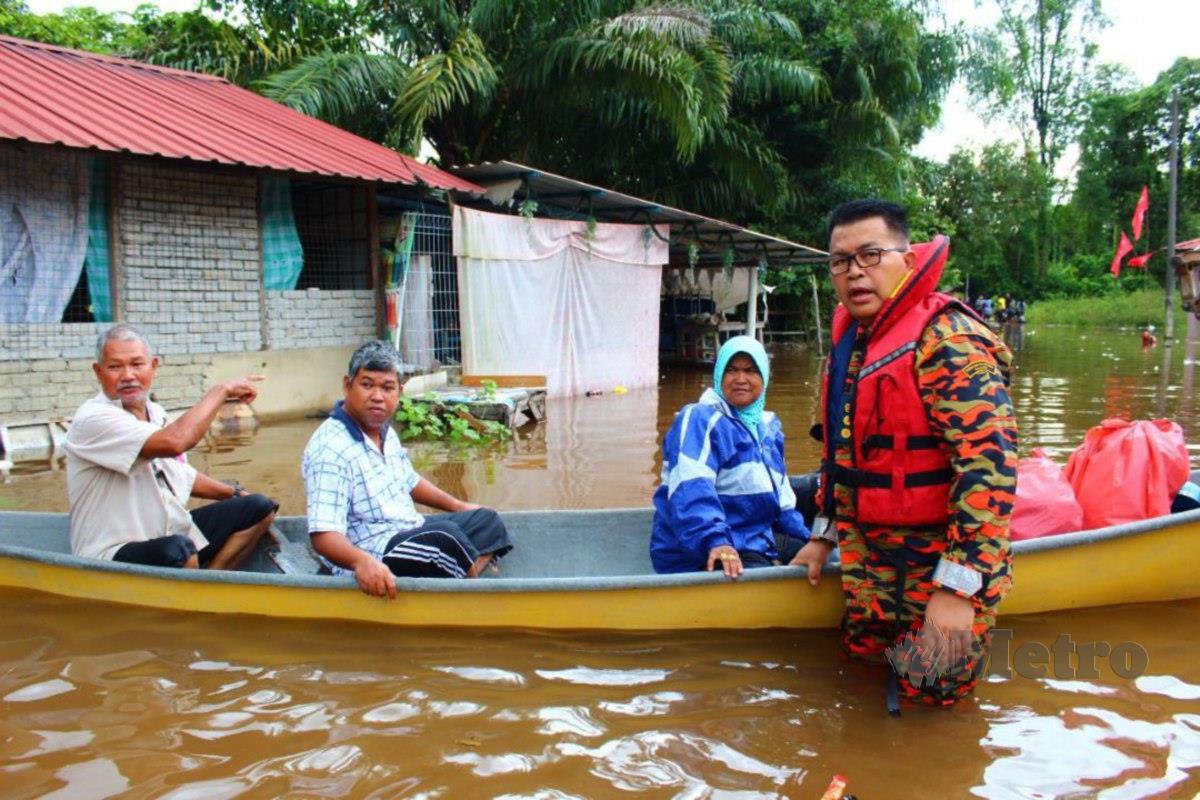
(487, 389)
(528, 208)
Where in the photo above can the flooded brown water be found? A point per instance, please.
(111, 701)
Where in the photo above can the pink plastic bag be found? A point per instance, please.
(1045, 501)
(1126, 471)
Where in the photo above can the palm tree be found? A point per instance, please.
(744, 109)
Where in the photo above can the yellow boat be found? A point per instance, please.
(587, 570)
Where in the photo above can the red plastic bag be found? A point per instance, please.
(1045, 501)
(1125, 471)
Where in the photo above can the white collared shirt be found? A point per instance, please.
(116, 496)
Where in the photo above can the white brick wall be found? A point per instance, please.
(320, 318)
(190, 282)
(189, 278)
(45, 389)
(191, 265)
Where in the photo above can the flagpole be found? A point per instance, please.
(1170, 326)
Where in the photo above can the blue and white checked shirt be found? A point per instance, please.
(354, 489)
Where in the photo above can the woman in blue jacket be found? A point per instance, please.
(725, 495)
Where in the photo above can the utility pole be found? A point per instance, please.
(752, 306)
(817, 313)
(1174, 170)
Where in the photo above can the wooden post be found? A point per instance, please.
(116, 250)
(817, 313)
(1174, 169)
(264, 326)
(378, 280)
(752, 305)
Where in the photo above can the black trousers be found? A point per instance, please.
(786, 546)
(447, 544)
(217, 521)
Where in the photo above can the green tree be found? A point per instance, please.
(82, 28)
(746, 110)
(1124, 145)
(1034, 68)
(986, 201)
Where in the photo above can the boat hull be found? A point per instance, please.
(553, 584)
(758, 604)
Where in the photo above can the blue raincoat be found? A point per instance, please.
(721, 485)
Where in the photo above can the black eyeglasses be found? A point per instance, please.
(865, 258)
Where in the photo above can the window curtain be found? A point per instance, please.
(97, 259)
(282, 253)
(575, 303)
(44, 207)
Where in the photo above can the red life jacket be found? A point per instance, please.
(897, 465)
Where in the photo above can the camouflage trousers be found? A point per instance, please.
(886, 579)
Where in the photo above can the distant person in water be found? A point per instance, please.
(128, 479)
(1148, 338)
(725, 501)
(361, 489)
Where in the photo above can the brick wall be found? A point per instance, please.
(190, 281)
(189, 276)
(50, 388)
(320, 318)
(191, 265)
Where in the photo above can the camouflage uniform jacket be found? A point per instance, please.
(962, 374)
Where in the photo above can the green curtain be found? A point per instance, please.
(96, 260)
(283, 255)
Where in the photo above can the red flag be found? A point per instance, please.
(1139, 214)
(1124, 248)
(1139, 261)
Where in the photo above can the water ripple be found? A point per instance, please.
(40, 691)
(587, 676)
(485, 675)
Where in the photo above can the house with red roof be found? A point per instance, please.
(240, 235)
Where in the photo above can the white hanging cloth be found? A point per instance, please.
(550, 298)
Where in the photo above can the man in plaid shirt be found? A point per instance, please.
(361, 488)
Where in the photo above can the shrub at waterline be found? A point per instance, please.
(426, 417)
(1133, 309)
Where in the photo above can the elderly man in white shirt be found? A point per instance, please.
(129, 482)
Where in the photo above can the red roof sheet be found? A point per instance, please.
(54, 95)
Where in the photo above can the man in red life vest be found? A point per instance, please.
(920, 456)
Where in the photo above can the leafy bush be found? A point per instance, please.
(428, 418)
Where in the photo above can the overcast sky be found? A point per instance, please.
(1145, 35)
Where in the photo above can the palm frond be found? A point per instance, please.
(866, 122)
(679, 24)
(462, 75)
(765, 78)
(743, 24)
(689, 88)
(334, 86)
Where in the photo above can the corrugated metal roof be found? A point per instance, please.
(54, 95)
(569, 197)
